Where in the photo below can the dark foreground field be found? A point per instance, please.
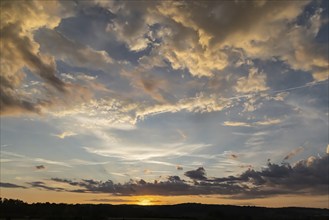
(18, 210)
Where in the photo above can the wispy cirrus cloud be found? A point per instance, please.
(147, 153)
(267, 122)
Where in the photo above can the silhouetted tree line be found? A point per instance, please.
(11, 209)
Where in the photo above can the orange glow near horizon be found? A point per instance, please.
(145, 202)
(33, 196)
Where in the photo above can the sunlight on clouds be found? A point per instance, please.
(145, 152)
(251, 124)
(255, 82)
(236, 123)
(65, 134)
(198, 101)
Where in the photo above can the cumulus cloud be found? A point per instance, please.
(27, 42)
(198, 35)
(254, 82)
(172, 186)
(181, 37)
(198, 174)
(306, 176)
(20, 50)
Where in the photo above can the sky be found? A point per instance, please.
(165, 102)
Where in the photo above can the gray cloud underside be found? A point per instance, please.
(10, 185)
(308, 176)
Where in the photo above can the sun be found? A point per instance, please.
(145, 201)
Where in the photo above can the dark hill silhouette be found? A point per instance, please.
(17, 209)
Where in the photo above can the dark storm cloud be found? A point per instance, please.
(10, 185)
(198, 174)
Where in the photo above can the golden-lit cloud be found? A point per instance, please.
(254, 82)
(265, 122)
(18, 21)
(180, 99)
(65, 134)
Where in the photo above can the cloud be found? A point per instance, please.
(200, 36)
(294, 152)
(70, 51)
(198, 174)
(201, 103)
(22, 56)
(233, 156)
(266, 122)
(145, 152)
(20, 50)
(114, 200)
(236, 124)
(172, 186)
(10, 185)
(42, 185)
(308, 176)
(150, 84)
(269, 121)
(40, 167)
(130, 24)
(65, 134)
(59, 163)
(179, 167)
(254, 82)
(20, 158)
